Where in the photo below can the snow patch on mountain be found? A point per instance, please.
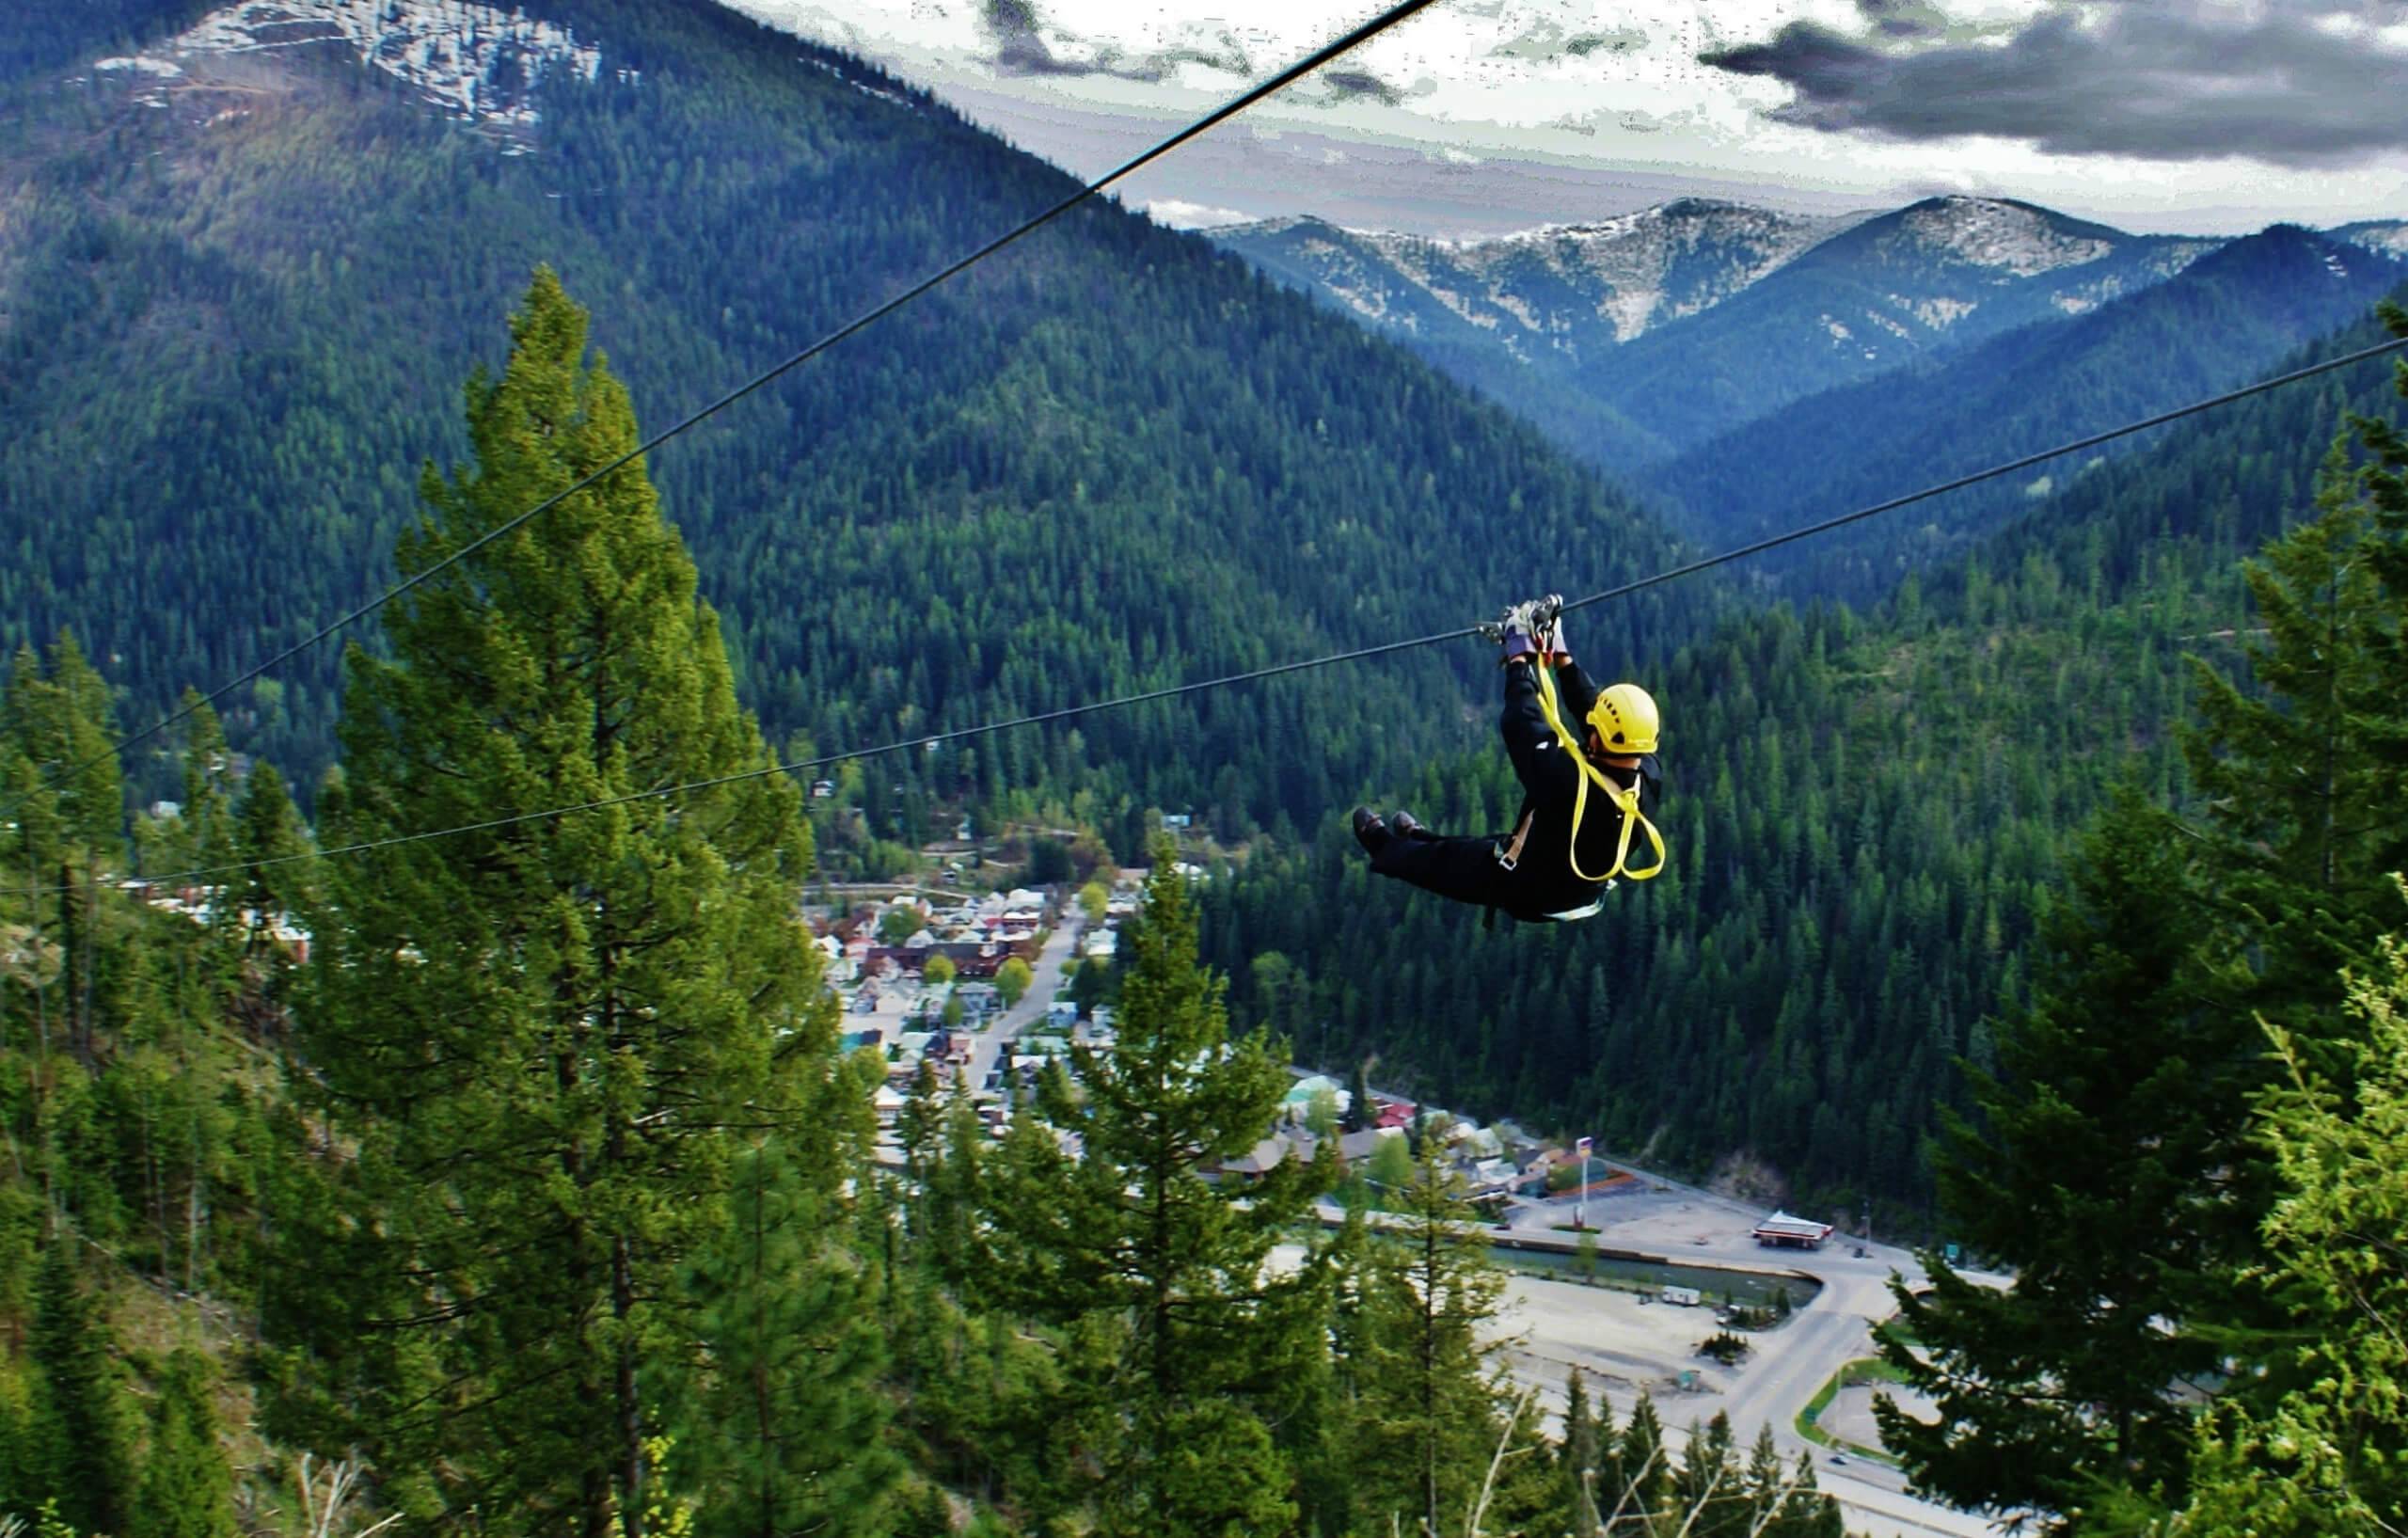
(1990, 232)
(1561, 288)
(1937, 313)
(2390, 240)
(898, 99)
(475, 62)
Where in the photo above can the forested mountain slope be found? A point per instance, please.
(241, 281)
(2231, 317)
(1866, 816)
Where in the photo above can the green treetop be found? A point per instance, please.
(1188, 1340)
(1013, 980)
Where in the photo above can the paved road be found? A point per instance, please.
(988, 1045)
(1774, 1382)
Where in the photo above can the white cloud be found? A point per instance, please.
(1604, 91)
(1179, 214)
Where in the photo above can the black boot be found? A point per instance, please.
(1405, 825)
(1370, 831)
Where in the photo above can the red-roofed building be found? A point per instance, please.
(1395, 1113)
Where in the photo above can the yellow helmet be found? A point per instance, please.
(1625, 716)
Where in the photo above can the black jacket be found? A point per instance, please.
(1551, 787)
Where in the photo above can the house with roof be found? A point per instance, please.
(1782, 1231)
(1298, 1103)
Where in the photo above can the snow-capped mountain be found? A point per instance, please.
(1681, 321)
(1571, 291)
(473, 63)
(2388, 237)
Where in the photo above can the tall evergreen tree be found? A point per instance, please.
(1183, 1342)
(2119, 1092)
(81, 1452)
(1582, 1434)
(2301, 774)
(1429, 1403)
(545, 1039)
(1646, 1472)
(187, 1489)
(2331, 1455)
(70, 815)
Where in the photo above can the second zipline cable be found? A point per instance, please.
(1358, 654)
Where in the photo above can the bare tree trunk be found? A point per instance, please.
(91, 929)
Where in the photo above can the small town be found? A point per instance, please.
(1705, 1304)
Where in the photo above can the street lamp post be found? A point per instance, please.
(1580, 1203)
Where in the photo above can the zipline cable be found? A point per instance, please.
(1275, 670)
(2261, 387)
(1229, 109)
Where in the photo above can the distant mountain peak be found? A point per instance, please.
(474, 62)
(2020, 239)
(1561, 290)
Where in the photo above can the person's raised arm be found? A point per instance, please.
(1530, 741)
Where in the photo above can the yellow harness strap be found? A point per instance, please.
(1625, 801)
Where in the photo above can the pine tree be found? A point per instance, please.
(545, 1039)
(1430, 1403)
(1181, 1339)
(1359, 1110)
(1646, 1472)
(2331, 1455)
(2303, 779)
(1806, 1512)
(80, 1453)
(70, 814)
(273, 844)
(1580, 1463)
(784, 1430)
(187, 1489)
(2121, 1094)
(1706, 1489)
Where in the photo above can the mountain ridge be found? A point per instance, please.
(1635, 338)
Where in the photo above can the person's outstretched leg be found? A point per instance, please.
(1464, 869)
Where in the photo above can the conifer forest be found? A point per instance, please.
(821, 980)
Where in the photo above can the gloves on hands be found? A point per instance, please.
(1532, 629)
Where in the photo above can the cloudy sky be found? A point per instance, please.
(1482, 115)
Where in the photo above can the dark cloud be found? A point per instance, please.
(1020, 49)
(1357, 84)
(2159, 80)
(1545, 40)
(1903, 18)
(1622, 40)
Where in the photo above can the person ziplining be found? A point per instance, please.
(1588, 799)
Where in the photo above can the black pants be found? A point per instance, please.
(1464, 869)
